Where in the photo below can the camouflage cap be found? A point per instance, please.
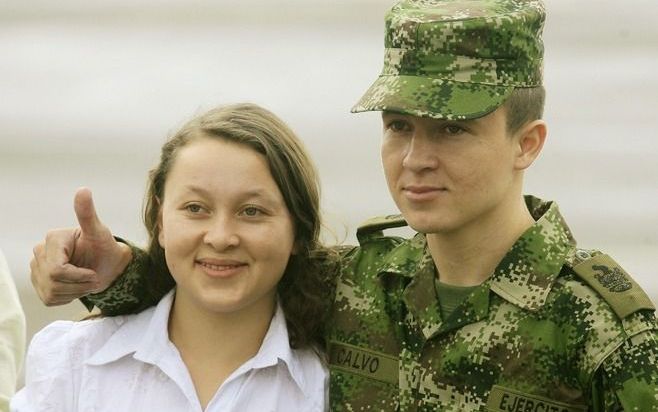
(457, 59)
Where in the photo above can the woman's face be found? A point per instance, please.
(224, 226)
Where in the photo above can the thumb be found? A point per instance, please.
(85, 211)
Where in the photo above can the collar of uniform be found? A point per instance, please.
(406, 258)
(412, 265)
(528, 271)
(420, 298)
(521, 278)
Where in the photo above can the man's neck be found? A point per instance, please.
(468, 256)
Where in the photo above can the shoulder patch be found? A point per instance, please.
(612, 282)
(376, 225)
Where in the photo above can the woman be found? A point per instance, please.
(232, 212)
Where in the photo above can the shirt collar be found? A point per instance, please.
(275, 348)
(146, 337)
(408, 258)
(526, 273)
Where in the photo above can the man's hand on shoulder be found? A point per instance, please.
(74, 262)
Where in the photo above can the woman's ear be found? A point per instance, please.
(530, 139)
(295, 247)
(159, 224)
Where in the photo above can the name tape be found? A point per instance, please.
(364, 362)
(507, 400)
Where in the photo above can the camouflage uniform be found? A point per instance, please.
(555, 328)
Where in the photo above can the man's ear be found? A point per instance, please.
(530, 140)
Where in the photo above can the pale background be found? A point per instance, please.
(90, 90)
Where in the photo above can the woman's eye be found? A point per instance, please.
(194, 208)
(251, 211)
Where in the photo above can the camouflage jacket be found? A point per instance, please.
(555, 328)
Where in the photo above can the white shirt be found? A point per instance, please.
(128, 363)
(12, 335)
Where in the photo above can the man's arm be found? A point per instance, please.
(88, 261)
(628, 378)
(141, 285)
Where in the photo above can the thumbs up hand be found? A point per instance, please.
(74, 262)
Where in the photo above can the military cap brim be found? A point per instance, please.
(434, 98)
(457, 59)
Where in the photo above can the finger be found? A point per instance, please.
(61, 299)
(51, 260)
(74, 289)
(34, 272)
(56, 301)
(60, 293)
(71, 291)
(85, 211)
(72, 274)
(56, 251)
(39, 250)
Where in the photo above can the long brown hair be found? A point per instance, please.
(302, 291)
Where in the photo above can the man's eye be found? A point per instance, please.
(398, 125)
(453, 129)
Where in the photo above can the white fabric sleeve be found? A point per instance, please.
(49, 371)
(12, 335)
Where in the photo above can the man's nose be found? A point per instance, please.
(420, 153)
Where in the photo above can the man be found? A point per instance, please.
(491, 306)
(12, 335)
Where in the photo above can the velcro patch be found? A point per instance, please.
(616, 286)
(508, 400)
(364, 362)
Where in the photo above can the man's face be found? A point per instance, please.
(446, 176)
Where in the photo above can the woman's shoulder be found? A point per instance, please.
(56, 358)
(67, 345)
(71, 341)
